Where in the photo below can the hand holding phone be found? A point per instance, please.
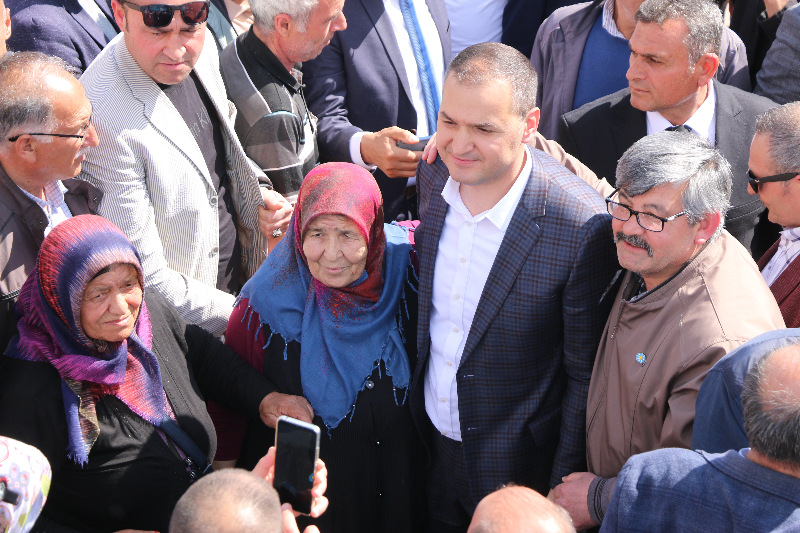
(296, 453)
(416, 147)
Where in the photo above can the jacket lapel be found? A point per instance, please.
(629, 125)
(159, 110)
(88, 23)
(383, 27)
(439, 15)
(515, 250)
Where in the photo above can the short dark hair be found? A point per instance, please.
(483, 63)
(228, 501)
(772, 411)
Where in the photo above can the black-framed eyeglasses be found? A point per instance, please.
(160, 15)
(648, 221)
(85, 130)
(755, 182)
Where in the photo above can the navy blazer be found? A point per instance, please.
(525, 370)
(599, 132)
(522, 18)
(359, 83)
(58, 28)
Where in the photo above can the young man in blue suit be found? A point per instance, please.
(515, 255)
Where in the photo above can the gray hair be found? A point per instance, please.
(703, 19)
(772, 410)
(228, 501)
(25, 101)
(672, 158)
(265, 11)
(484, 63)
(782, 125)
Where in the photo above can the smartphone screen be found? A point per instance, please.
(296, 452)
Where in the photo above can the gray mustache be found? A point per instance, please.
(633, 240)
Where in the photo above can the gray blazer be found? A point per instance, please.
(359, 83)
(779, 77)
(558, 49)
(157, 187)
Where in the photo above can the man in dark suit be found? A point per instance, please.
(670, 84)
(365, 89)
(752, 489)
(515, 255)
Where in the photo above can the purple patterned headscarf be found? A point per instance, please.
(50, 330)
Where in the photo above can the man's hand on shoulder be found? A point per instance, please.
(380, 149)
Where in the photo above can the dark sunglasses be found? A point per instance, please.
(754, 181)
(160, 15)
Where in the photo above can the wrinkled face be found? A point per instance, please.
(165, 54)
(111, 304)
(62, 157)
(478, 135)
(335, 250)
(781, 198)
(655, 255)
(659, 76)
(326, 19)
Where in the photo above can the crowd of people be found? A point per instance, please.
(528, 265)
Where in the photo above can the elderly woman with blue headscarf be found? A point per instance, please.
(106, 380)
(329, 319)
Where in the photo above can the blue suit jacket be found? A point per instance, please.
(58, 28)
(676, 490)
(524, 374)
(359, 83)
(719, 415)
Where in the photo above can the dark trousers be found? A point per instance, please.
(450, 504)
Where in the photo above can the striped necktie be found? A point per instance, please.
(427, 78)
(683, 128)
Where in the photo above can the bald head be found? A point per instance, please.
(519, 510)
(228, 501)
(771, 400)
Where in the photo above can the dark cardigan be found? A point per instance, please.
(786, 288)
(133, 479)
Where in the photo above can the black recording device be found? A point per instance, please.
(296, 453)
(417, 147)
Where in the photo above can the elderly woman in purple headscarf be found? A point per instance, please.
(100, 377)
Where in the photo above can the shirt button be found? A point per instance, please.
(214, 251)
(457, 297)
(213, 200)
(442, 400)
(469, 224)
(463, 259)
(455, 330)
(370, 384)
(449, 363)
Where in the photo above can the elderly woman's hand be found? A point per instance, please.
(276, 404)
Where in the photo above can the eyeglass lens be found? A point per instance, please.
(160, 15)
(645, 220)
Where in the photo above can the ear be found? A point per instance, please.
(26, 149)
(119, 13)
(706, 227)
(706, 67)
(8, 24)
(283, 24)
(530, 124)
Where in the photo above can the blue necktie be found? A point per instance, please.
(427, 79)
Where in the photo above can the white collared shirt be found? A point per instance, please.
(788, 250)
(434, 46)
(608, 20)
(467, 249)
(54, 206)
(703, 122)
(474, 21)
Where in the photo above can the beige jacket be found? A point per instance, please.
(682, 328)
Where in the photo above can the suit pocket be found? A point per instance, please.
(545, 429)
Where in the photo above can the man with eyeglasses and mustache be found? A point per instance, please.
(45, 134)
(690, 295)
(175, 177)
(775, 177)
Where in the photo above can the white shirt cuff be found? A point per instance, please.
(355, 151)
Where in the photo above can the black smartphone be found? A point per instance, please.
(418, 147)
(296, 453)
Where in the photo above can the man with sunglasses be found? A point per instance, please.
(264, 82)
(775, 177)
(176, 178)
(45, 133)
(690, 294)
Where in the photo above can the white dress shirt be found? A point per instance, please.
(608, 20)
(54, 206)
(434, 46)
(467, 249)
(788, 250)
(703, 122)
(474, 21)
